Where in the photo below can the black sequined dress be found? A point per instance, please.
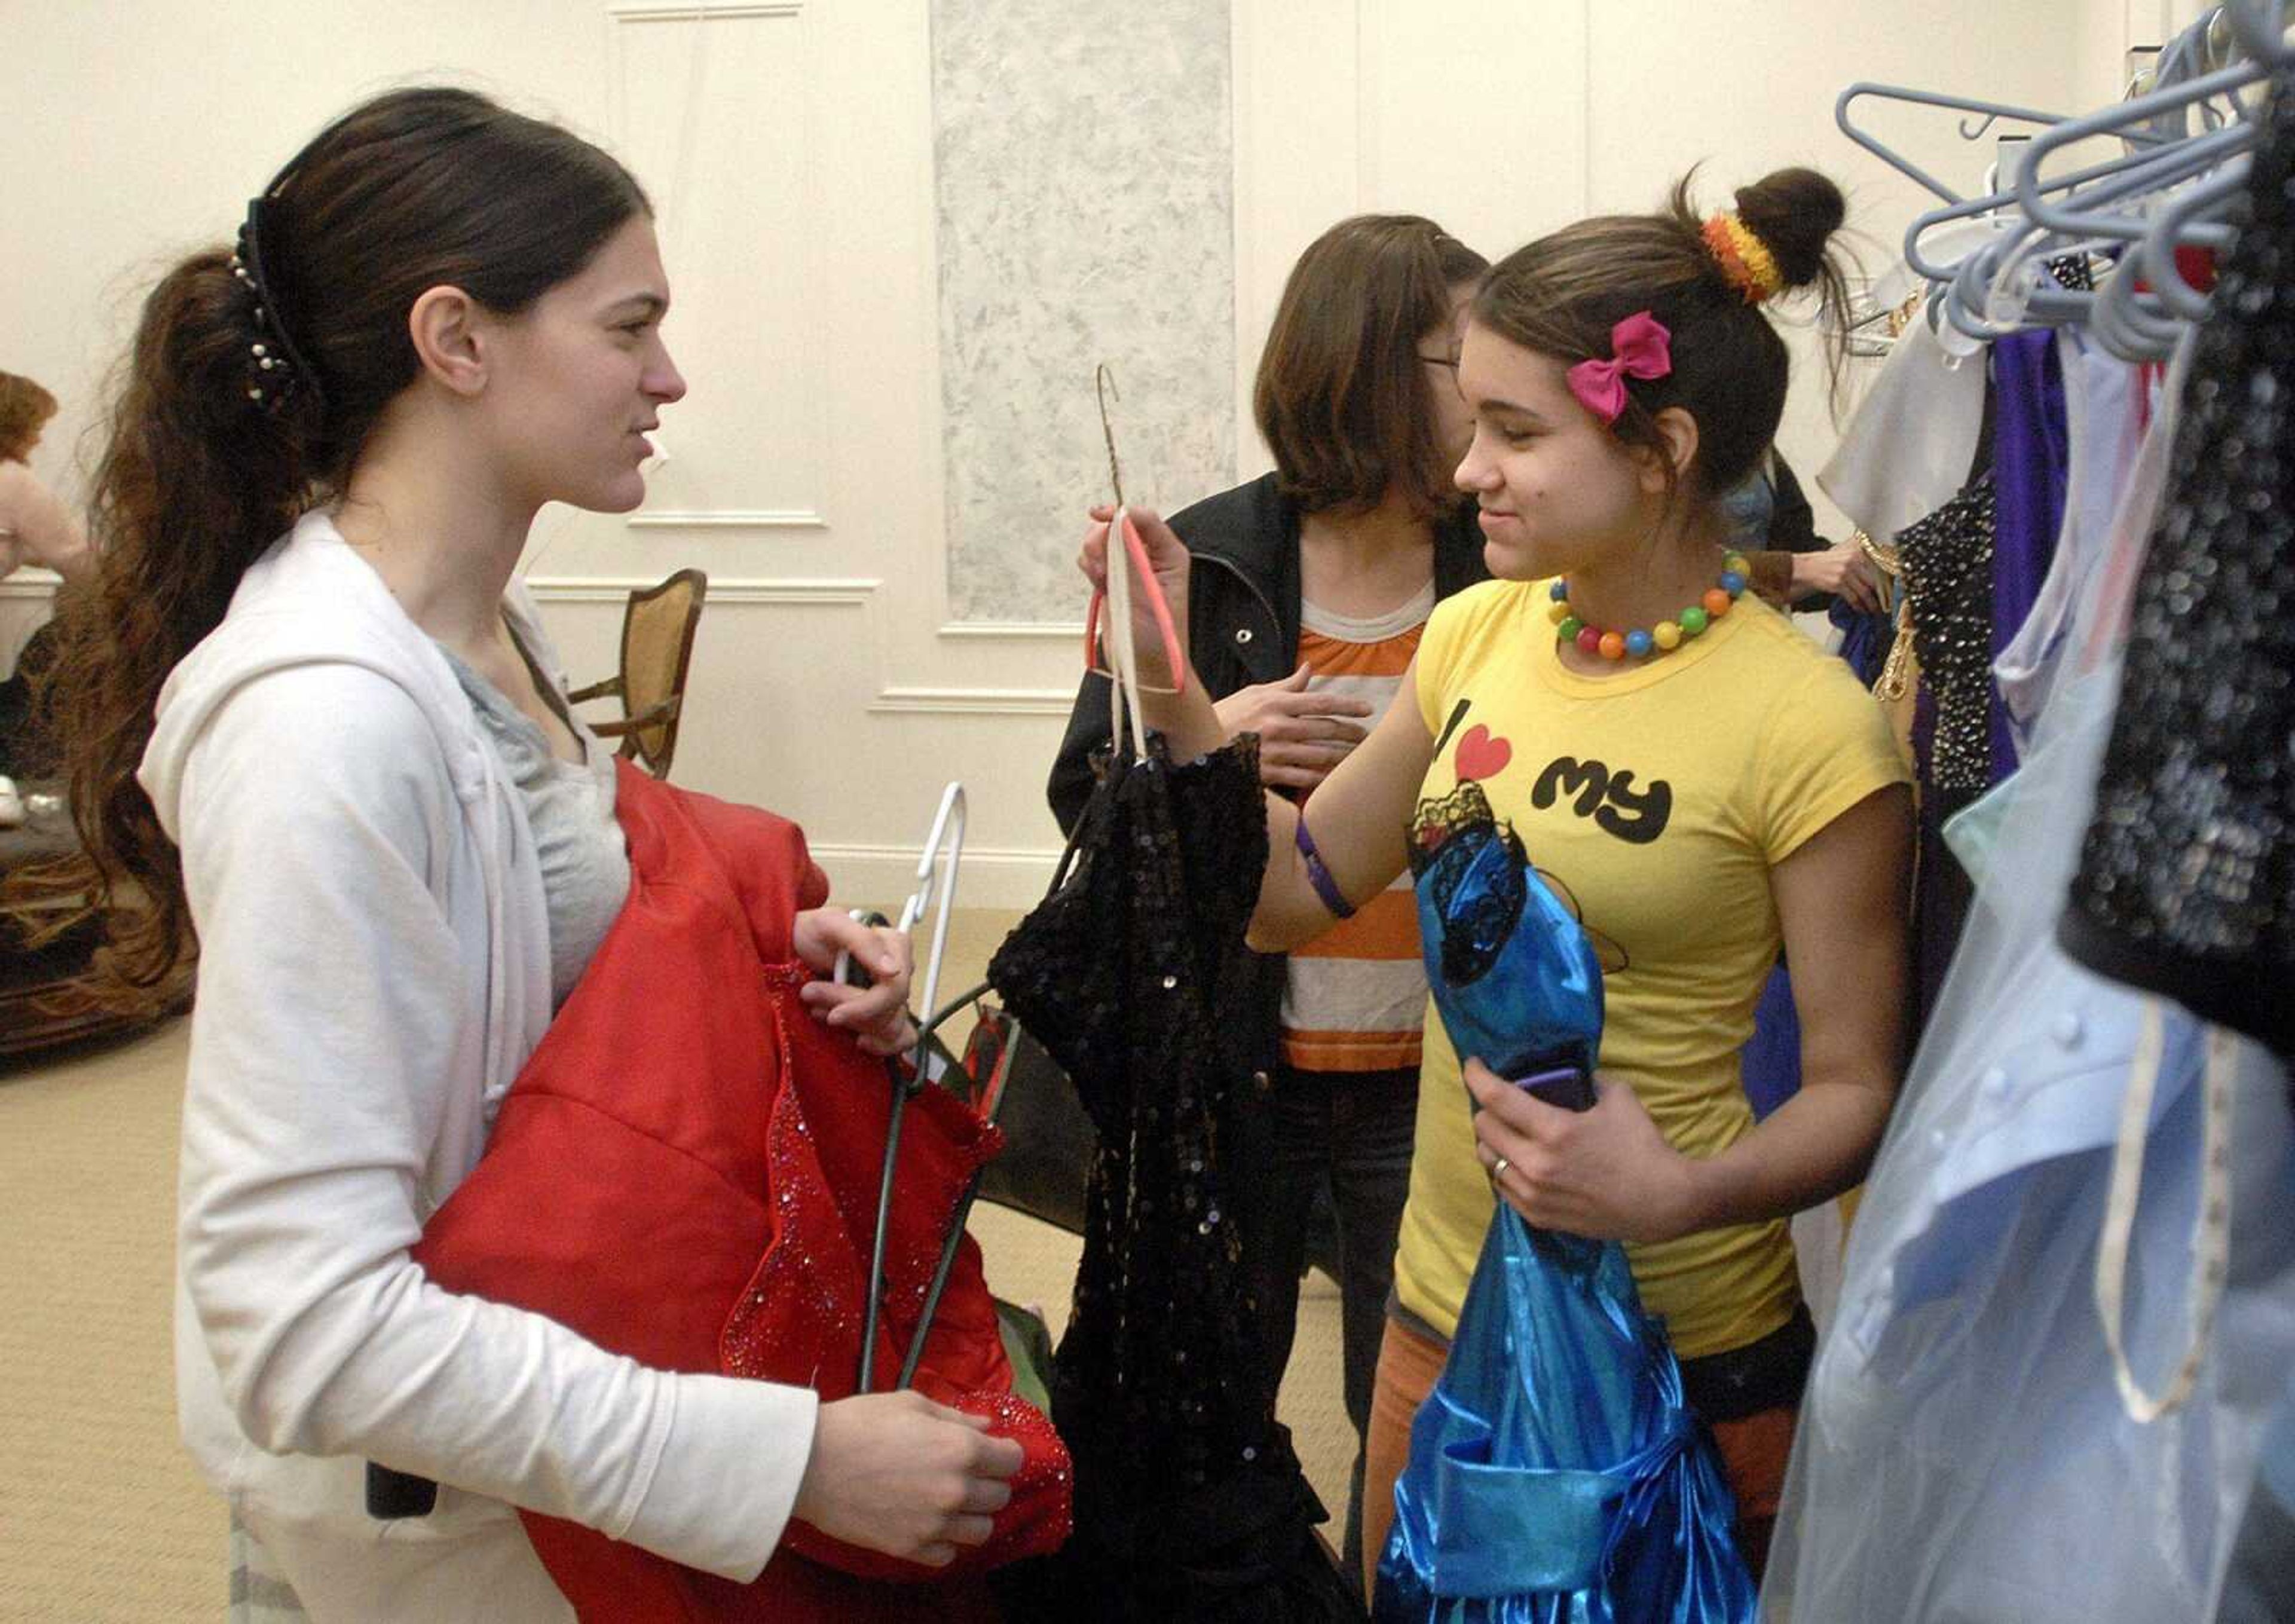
(1189, 1500)
(2186, 883)
(1947, 563)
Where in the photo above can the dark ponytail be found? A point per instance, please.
(1561, 295)
(218, 442)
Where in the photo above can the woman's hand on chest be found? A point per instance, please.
(1302, 735)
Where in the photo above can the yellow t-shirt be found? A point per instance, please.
(1655, 803)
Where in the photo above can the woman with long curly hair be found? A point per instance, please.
(312, 720)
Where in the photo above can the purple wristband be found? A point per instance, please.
(1318, 875)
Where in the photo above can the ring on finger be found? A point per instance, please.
(1499, 1169)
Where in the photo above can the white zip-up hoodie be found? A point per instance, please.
(374, 970)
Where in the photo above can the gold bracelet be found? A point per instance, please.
(1884, 557)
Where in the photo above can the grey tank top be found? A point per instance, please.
(569, 806)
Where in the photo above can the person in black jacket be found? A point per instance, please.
(1309, 588)
(1794, 567)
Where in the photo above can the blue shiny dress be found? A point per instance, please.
(1555, 1474)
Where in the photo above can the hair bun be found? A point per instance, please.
(1794, 212)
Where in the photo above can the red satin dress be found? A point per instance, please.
(686, 1172)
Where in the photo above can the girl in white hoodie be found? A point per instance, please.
(313, 724)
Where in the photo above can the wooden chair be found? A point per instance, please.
(657, 646)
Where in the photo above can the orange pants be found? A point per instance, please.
(1752, 1449)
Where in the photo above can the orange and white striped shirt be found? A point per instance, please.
(1355, 1000)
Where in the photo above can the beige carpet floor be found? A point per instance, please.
(101, 1517)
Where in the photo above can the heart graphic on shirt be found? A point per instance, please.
(1480, 756)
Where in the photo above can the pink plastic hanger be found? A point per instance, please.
(1123, 668)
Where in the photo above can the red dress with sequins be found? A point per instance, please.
(686, 1173)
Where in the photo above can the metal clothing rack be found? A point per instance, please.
(2183, 138)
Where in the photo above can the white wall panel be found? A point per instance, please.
(1475, 114)
(1298, 162)
(1471, 112)
(718, 103)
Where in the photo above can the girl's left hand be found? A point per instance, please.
(878, 1017)
(1606, 1173)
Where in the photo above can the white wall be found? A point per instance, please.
(791, 147)
(1516, 117)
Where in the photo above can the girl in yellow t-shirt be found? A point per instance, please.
(1701, 782)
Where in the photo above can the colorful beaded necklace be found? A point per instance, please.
(1664, 636)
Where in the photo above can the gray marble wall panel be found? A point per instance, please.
(1084, 188)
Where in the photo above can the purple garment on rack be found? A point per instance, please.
(2031, 455)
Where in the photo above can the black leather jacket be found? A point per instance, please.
(1243, 628)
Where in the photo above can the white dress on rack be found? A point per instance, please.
(1909, 448)
(1963, 1452)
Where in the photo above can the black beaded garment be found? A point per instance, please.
(1947, 563)
(2186, 883)
(1190, 1501)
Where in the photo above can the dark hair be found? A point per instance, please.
(413, 190)
(1343, 399)
(1561, 295)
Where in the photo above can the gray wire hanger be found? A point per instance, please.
(2179, 171)
(1992, 113)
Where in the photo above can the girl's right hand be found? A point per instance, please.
(1167, 557)
(898, 1473)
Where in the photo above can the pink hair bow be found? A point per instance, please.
(1640, 347)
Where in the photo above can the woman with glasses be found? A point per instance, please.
(1309, 589)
